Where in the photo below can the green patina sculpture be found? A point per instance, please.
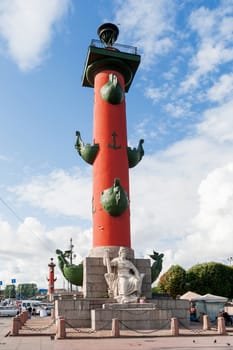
(135, 154)
(114, 199)
(112, 92)
(87, 152)
(157, 265)
(73, 273)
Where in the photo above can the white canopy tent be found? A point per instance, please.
(208, 304)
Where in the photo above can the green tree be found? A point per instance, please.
(10, 291)
(212, 277)
(26, 290)
(173, 281)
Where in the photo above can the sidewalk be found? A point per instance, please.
(38, 334)
(153, 343)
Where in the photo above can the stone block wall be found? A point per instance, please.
(76, 312)
(94, 284)
(144, 266)
(141, 317)
(98, 313)
(134, 319)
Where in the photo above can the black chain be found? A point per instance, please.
(79, 330)
(190, 329)
(164, 326)
(39, 329)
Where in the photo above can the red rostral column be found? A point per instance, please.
(110, 71)
(51, 278)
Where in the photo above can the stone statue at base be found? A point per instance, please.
(123, 278)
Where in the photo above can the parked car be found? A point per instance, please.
(33, 304)
(8, 311)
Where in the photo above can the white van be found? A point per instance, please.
(34, 304)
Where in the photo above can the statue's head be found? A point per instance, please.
(123, 252)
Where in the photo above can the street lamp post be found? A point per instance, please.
(71, 258)
(69, 253)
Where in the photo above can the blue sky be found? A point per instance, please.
(180, 102)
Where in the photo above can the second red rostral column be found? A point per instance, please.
(51, 280)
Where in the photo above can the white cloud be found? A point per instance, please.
(218, 123)
(216, 202)
(181, 200)
(222, 89)
(27, 27)
(215, 30)
(59, 193)
(148, 25)
(167, 184)
(3, 158)
(211, 238)
(178, 109)
(26, 251)
(155, 94)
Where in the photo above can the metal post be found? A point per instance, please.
(71, 258)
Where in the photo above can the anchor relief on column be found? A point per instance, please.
(114, 144)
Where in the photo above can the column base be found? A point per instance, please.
(98, 252)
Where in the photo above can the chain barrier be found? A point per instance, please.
(196, 331)
(90, 331)
(105, 326)
(164, 326)
(40, 328)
